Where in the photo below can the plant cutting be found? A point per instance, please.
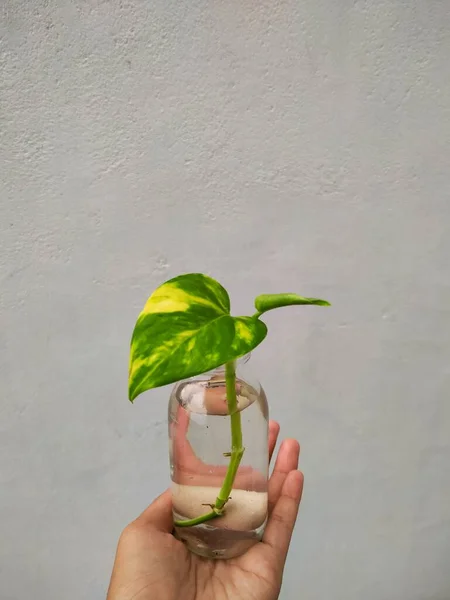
(218, 415)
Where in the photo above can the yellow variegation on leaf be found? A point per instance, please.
(186, 329)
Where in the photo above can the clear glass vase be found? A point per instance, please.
(204, 442)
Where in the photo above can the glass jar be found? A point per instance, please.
(202, 448)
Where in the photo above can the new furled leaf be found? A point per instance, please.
(266, 302)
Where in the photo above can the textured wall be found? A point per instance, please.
(277, 145)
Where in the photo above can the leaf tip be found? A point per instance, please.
(132, 394)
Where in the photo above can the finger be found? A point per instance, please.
(287, 460)
(180, 428)
(184, 458)
(280, 526)
(181, 450)
(274, 430)
(158, 514)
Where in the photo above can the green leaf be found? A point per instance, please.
(186, 329)
(266, 302)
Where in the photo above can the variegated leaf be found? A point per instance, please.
(186, 329)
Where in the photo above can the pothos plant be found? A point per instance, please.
(186, 329)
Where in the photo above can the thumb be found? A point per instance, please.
(159, 514)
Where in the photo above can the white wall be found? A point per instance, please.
(278, 145)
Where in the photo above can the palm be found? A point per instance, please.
(152, 564)
(193, 578)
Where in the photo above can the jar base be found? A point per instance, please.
(218, 543)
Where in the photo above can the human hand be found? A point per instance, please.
(151, 564)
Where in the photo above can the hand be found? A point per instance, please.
(151, 564)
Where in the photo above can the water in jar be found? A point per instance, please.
(200, 443)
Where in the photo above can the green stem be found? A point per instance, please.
(237, 451)
(236, 437)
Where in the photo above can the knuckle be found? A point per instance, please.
(278, 518)
(129, 532)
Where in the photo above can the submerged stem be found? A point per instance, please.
(236, 436)
(237, 451)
